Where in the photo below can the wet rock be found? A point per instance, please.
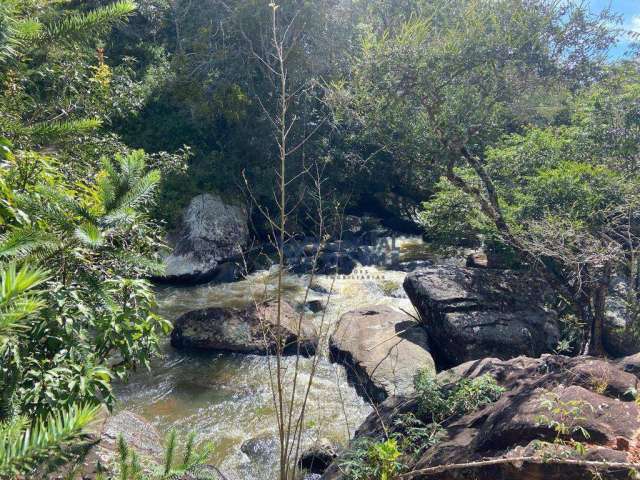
(335, 262)
(382, 348)
(261, 448)
(477, 313)
(398, 293)
(212, 231)
(412, 265)
(318, 457)
(253, 329)
(316, 305)
(520, 424)
(141, 436)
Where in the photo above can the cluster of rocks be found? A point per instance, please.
(510, 439)
(212, 244)
(469, 321)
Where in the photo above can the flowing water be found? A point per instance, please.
(226, 398)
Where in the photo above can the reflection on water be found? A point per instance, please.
(226, 398)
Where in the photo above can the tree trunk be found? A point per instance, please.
(595, 346)
(597, 326)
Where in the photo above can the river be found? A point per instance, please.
(226, 398)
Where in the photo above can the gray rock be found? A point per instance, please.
(476, 313)
(261, 448)
(619, 339)
(250, 330)
(512, 426)
(141, 437)
(212, 231)
(383, 349)
(316, 305)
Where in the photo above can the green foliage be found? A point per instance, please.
(370, 460)
(80, 26)
(439, 402)
(412, 433)
(49, 440)
(190, 462)
(565, 419)
(452, 218)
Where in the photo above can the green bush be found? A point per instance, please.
(368, 460)
(438, 402)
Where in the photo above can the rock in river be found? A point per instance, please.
(211, 239)
(252, 329)
(382, 348)
(472, 313)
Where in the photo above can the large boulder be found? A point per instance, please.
(140, 435)
(253, 329)
(517, 436)
(209, 243)
(472, 313)
(383, 349)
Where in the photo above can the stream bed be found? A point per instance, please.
(226, 398)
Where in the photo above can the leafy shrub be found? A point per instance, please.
(439, 402)
(368, 460)
(411, 435)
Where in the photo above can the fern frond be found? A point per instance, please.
(59, 130)
(21, 242)
(22, 450)
(169, 451)
(141, 192)
(81, 26)
(90, 235)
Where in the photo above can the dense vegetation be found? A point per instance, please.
(495, 124)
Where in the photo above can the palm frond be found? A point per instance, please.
(15, 32)
(18, 299)
(14, 282)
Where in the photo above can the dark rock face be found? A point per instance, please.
(210, 242)
(631, 364)
(477, 313)
(515, 425)
(250, 330)
(383, 349)
(318, 457)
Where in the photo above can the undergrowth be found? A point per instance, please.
(412, 433)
